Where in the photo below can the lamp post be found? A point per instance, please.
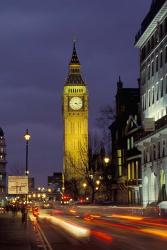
(27, 138)
(106, 160)
(84, 186)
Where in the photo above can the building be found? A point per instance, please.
(124, 154)
(133, 160)
(2, 164)
(31, 183)
(75, 116)
(151, 41)
(56, 182)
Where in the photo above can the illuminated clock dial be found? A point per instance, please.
(76, 103)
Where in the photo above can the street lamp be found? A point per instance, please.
(106, 160)
(84, 185)
(27, 138)
(97, 182)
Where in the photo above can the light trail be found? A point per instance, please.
(75, 230)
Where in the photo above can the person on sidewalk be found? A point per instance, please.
(24, 214)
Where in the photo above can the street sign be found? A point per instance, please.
(149, 124)
(18, 184)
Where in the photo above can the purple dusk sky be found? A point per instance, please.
(35, 48)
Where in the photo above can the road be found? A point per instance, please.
(68, 228)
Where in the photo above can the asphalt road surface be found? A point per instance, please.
(67, 229)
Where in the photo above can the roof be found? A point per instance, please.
(157, 10)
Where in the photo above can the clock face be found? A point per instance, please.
(76, 103)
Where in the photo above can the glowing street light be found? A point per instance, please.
(84, 185)
(106, 160)
(97, 182)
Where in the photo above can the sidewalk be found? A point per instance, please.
(14, 234)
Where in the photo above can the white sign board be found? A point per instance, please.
(18, 184)
(149, 124)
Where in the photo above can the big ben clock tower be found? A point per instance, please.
(75, 116)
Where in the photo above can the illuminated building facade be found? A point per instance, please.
(2, 164)
(75, 116)
(152, 43)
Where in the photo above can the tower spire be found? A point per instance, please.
(74, 58)
(74, 75)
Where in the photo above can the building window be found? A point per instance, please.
(133, 170)
(129, 172)
(156, 63)
(152, 42)
(163, 148)
(166, 54)
(148, 77)
(132, 142)
(128, 143)
(152, 95)
(162, 87)
(143, 74)
(157, 86)
(161, 59)
(152, 68)
(149, 98)
(142, 102)
(159, 148)
(165, 25)
(1, 177)
(145, 102)
(161, 31)
(119, 161)
(154, 152)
